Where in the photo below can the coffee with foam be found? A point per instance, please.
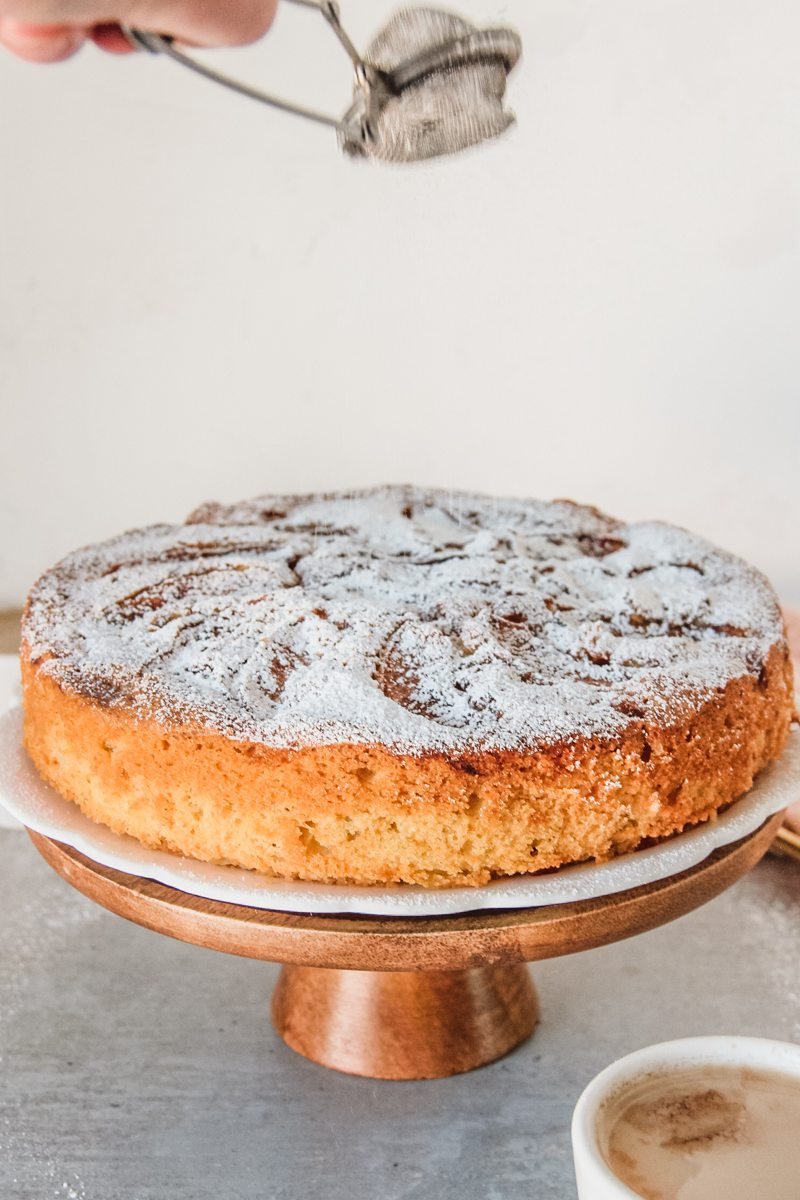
(704, 1133)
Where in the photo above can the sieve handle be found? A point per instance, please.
(156, 43)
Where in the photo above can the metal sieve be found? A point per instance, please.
(430, 83)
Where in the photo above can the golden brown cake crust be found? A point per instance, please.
(364, 815)
(681, 689)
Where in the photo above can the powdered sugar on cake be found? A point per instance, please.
(421, 620)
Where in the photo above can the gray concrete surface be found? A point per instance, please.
(136, 1068)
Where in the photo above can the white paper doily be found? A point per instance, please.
(41, 808)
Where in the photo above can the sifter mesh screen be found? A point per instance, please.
(456, 105)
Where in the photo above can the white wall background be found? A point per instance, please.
(200, 298)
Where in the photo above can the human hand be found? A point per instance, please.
(52, 30)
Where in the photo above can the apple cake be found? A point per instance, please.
(400, 685)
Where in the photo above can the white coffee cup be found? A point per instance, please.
(596, 1180)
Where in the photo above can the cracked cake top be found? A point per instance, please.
(425, 621)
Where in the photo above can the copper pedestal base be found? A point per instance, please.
(405, 1024)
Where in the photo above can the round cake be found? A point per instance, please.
(401, 685)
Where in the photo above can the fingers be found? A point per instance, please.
(196, 22)
(111, 39)
(40, 43)
(204, 22)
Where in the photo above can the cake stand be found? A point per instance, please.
(396, 998)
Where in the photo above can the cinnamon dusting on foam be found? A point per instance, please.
(706, 1133)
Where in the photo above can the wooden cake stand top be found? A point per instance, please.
(399, 944)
